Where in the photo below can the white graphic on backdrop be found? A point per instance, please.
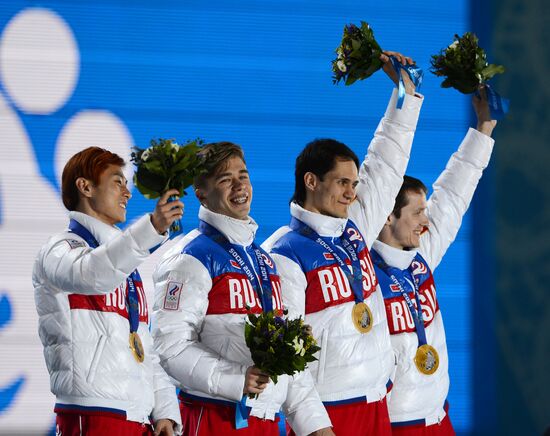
(39, 61)
(39, 69)
(93, 127)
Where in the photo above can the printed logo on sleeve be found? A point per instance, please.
(172, 297)
(73, 243)
(328, 256)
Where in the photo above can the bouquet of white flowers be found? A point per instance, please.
(278, 345)
(464, 65)
(166, 165)
(358, 55)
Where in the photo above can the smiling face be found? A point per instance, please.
(228, 191)
(404, 232)
(106, 200)
(334, 193)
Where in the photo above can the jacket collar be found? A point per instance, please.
(323, 225)
(395, 257)
(240, 232)
(101, 231)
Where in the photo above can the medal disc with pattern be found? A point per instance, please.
(362, 317)
(426, 359)
(137, 347)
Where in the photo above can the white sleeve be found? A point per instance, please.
(452, 194)
(70, 265)
(381, 173)
(166, 402)
(176, 331)
(303, 407)
(293, 285)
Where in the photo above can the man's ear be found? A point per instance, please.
(310, 181)
(84, 186)
(199, 193)
(389, 221)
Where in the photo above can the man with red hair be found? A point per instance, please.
(93, 315)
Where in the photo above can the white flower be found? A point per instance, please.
(145, 155)
(299, 346)
(175, 147)
(453, 45)
(341, 66)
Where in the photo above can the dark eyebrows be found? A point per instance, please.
(348, 180)
(227, 174)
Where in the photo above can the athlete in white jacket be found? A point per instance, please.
(93, 315)
(404, 256)
(205, 286)
(337, 212)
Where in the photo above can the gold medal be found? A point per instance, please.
(426, 359)
(137, 347)
(362, 317)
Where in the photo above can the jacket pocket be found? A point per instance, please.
(96, 358)
(322, 357)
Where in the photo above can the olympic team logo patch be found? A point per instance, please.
(73, 243)
(172, 297)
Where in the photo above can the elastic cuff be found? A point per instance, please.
(408, 114)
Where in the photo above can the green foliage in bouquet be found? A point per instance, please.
(166, 165)
(358, 55)
(464, 65)
(278, 345)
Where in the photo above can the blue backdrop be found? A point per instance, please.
(255, 73)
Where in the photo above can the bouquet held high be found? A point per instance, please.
(359, 56)
(166, 165)
(464, 66)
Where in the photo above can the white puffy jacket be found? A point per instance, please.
(200, 311)
(351, 364)
(84, 327)
(416, 396)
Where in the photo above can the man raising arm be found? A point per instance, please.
(410, 246)
(326, 273)
(93, 315)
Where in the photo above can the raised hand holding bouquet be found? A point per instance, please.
(464, 66)
(359, 56)
(166, 165)
(279, 345)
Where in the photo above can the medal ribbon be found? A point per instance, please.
(415, 73)
(262, 287)
(416, 314)
(498, 105)
(355, 277)
(132, 299)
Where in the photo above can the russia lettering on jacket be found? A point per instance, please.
(112, 302)
(232, 291)
(329, 286)
(399, 315)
